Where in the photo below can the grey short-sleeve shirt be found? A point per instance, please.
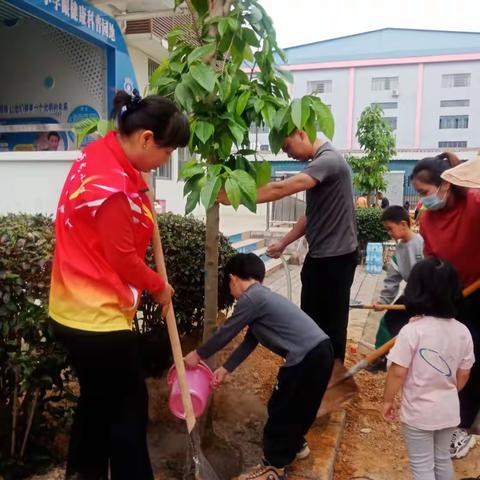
(331, 228)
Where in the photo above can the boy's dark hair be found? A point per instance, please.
(434, 288)
(246, 266)
(170, 127)
(395, 214)
(53, 134)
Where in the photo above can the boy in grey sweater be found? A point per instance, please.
(283, 328)
(408, 252)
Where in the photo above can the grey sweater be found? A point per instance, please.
(272, 321)
(407, 254)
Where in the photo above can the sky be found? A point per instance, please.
(306, 21)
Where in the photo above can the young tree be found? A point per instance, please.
(376, 139)
(208, 78)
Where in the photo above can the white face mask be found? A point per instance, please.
(434, 202)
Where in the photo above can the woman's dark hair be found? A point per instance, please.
(429, 170)
(246, 266)
(434, 288)
(53, 134)
(395, 214)
(160, 115)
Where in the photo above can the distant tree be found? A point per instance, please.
(376, 139)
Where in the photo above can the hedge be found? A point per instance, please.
(35, 399)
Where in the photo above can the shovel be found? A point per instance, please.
(197, 465)
(342, 387)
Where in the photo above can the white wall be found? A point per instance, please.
(140, 65)
(31, 182)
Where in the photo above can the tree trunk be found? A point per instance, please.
(211, 272)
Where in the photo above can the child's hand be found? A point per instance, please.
(219, 376)
(192, 359)
(389, 412)
(378, 307)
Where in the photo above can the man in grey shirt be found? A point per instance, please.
(330, 229)
(283, 328)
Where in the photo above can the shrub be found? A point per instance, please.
(370, 227)
(34, 394)
(31, 363)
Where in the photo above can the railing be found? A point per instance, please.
(287, 210)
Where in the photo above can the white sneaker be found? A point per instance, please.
(461, 443)
(304, 452)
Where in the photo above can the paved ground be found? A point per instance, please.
(325, 436)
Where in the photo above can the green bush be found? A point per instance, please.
(34, 380)
(31, 363)
(370, 227)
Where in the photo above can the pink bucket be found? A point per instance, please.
(199, 381)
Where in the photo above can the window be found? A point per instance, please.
(152, 66)
(261, 129)
(460, 144)
(454, 103)
(385, 105)
(453, 121)
(319, 86)
(392, 121)
(164, 172)
(384, 83)
(455, 80)
(264, 148)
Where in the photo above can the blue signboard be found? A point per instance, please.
(80, 18)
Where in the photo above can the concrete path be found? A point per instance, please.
(324, 437)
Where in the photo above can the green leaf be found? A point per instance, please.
(258, 105)
(263, 173)
(281, 118)
(192, 201)
(325, 120)
(222, 26)
(210, 192)
(204, 130)
(201, 6)
(233, 192)
(246, 183)
(237, 132)
(297, 113)
(276, 139)
(268, 115)
(255, 14)
(104, 126)
(184, 97)
(173, 35)
(250, 203)
(204, 76)
(226, 143)
(201, 52)
(250, 37)
(242, 102)
(311, 128)
(285, 74)
(190, 169)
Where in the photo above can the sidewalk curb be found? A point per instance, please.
(324, 440)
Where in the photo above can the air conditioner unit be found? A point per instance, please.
(395, 92)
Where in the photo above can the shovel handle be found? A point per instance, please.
(171, 323)
(384, 307)
(387, 346)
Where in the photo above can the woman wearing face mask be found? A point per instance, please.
(450, 226)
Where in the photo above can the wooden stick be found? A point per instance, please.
(171, 323)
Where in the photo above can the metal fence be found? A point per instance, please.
(287, 210)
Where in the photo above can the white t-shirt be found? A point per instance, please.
(432, 349)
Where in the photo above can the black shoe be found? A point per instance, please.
(378, 365)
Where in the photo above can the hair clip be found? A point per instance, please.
(136, 98)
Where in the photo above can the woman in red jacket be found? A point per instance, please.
(103, 225)
(450, 227)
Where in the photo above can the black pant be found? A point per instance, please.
(109, 428)
(395, 320)
(294, 404)
(326, 284)
(470, 395)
